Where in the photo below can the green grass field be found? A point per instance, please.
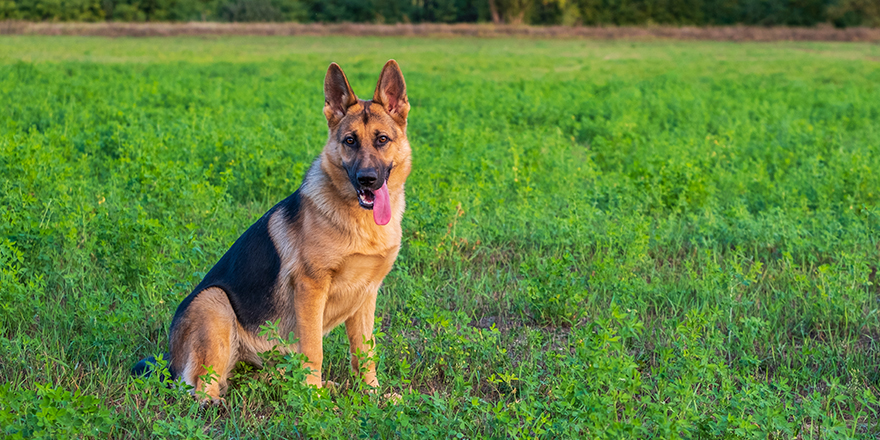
(603, 239)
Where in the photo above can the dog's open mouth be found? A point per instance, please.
(378, 201)
(366, 198)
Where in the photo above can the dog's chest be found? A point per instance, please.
(357, 273)
(356, 280)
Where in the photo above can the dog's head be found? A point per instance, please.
(368, 138)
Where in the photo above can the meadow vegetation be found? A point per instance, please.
(603, 239)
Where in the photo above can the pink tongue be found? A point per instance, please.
(382, 206)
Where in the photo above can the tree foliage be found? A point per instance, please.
(841, 13)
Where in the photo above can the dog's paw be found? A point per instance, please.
(207, 403)
(393, 398)
(390, 397)
(331, 386)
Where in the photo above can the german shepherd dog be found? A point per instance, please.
(316, 259)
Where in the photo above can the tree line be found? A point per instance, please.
(840, 13)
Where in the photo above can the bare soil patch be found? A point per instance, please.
(726, 33)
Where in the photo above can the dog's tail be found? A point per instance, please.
(147, 366)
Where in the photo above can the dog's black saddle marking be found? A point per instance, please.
(248, 272)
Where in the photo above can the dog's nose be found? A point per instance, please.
(367, 176)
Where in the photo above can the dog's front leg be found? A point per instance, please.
(359, 328)
(310, 300)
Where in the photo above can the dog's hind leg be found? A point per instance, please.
(204, 344)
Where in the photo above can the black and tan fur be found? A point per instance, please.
(316, 259)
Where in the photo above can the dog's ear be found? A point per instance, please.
(338, 96)
(391, 91)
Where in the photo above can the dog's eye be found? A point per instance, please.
(348, 140)
(382, 140)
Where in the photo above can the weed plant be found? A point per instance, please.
(602, 240)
